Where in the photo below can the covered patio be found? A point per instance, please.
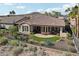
(55, 30)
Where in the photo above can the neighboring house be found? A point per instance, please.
(34, 22)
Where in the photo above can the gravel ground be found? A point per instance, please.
(41, 51)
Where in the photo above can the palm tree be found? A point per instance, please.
(53, 13)
(73, 13)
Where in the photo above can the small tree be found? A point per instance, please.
(12, 12)
(13, 30)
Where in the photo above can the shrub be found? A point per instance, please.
(69, 36)
(3, 40)
(24, 44)
(13, 42)
(26, 49)
(32, 33)
(70, 42)
(35, 49)
(72, 49)
(42, 43)
(68, 54)
(17, 51)
(48, 43)
(13, 29)
(44, 53)
(31, 41)
(31, 48)
(22, 37)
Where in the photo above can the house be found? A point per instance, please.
(34, 22)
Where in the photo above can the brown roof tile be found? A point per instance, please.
(33, 19)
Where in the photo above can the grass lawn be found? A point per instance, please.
(40, 39)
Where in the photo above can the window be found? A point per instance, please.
(24, 28)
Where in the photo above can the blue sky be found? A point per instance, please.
(23, 8)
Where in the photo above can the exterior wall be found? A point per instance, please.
(24, 32)
(6, 25)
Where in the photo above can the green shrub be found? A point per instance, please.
(32, 33)
(3, 40)
(31, 48)
(68, 54)
(13, 42)
(17, 51)
(35, 49)
(24, 44)
(48, 43)
(31, 41)
(26, 49)
(42, 43)
(69, 36)
(70, 42)
(72, 49)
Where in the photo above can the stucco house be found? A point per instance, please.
(34, 22)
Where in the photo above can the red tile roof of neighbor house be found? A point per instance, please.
(34, 18)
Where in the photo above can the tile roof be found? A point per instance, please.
(33, 19)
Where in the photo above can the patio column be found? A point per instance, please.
(20, 30)
(50, 28)
(31, 28)
(61, 29)
(45, 28)
(41, 29)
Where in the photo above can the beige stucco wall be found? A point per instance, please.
(24, 32)
(6, 25)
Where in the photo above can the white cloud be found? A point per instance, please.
(53, 9)
(4, 13)
(29, 11)
(9, 4)
(65, 6)
(20, 7)
(39, 10)
(62, 9)
(48, 10)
